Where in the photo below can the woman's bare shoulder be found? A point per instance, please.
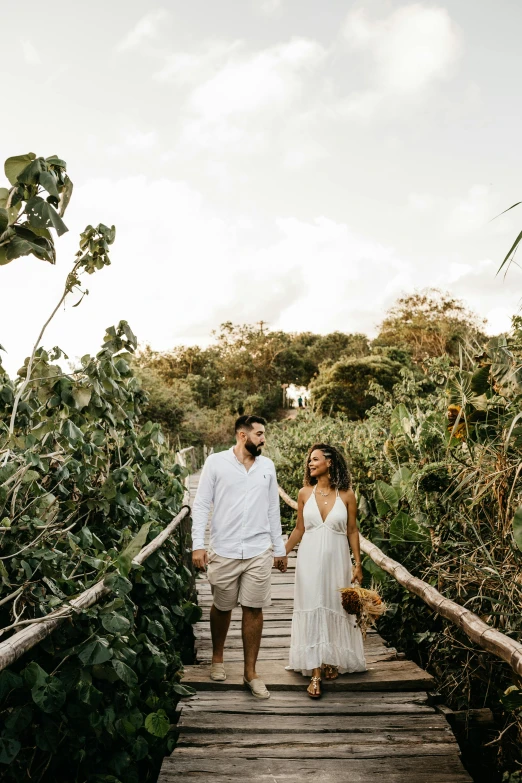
(305, 492)
(348, 495)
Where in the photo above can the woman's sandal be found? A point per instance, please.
(330, 672)
(315, 682)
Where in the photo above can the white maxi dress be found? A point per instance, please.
(322, 632)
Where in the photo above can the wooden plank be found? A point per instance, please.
(220, 723)
(419, 769)
(349, 700)
(385, 675)
(303, 750)
(298, 703)
(204, 655)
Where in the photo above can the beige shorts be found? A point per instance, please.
(240, 581)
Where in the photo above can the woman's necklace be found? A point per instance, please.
(324, 494)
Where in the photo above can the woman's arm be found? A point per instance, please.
(299, 529)
(353, 535)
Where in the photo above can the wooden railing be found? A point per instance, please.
(489, 638)
(36, 630)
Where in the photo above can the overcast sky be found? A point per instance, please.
(303, 162)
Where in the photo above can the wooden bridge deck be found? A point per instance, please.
(373, 726)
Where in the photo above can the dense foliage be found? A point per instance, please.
(344, 386)
(83, 486)
(196, 393)
(437, 477)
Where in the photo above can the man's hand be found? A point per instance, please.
(281, 563)
(200, 558)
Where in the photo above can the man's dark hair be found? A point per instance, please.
(246, 422)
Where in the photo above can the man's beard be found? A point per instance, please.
(252, 449)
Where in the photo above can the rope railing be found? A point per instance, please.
(22, 641)
(476, 629)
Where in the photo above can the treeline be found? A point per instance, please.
(197, 392)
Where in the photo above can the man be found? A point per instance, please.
(245, 538)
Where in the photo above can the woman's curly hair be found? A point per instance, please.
(339, 474)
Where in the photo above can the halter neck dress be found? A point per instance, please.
(322, 632)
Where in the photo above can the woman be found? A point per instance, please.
(323, 635)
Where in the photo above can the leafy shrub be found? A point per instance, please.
(449, 508)
(82, 488)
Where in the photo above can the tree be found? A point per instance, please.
(343, 387)
(430, 323)
(329, 348)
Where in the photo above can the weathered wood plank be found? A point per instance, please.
(385, 675)
(419, 769)
(220, 723)
(276, 653)
(318, 751)
(298, 703)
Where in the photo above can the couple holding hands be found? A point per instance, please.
(246, 542)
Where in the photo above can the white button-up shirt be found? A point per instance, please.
(246, 519)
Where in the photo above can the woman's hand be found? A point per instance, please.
(357, 574)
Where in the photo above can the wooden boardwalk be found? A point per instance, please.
(373, 726)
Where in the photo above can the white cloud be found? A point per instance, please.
(267, 79)
(475, 211)
(237, 106)
(421, 202)
(186, 68)
(269, 7)
(146, 29)
(133, 141)
(301, 153)
(30, 53)
(409, 50)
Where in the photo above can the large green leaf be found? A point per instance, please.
(400, 479)
(50, 695)
(183, 690)
(30, 174)
(4, 220)
(480, 380)
(4, 195)
(404, 529)
(49, 181)
(459, 389)
(65, 196)
(115, 623)
(13, 166)
(24, 243)
(41, 214)
(8, 682)
(132, 549)
(517, 527)
(401, 421)
(125, 673)
(19, 719)
(97, 651)
(157, 723)
(34, 675)
(8, 750)
(386, 498)
(373, 570)
(118, 584)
